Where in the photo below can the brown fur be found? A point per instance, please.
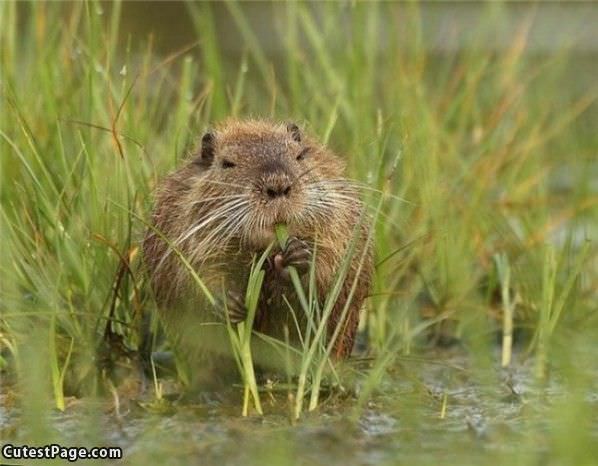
(221, 249)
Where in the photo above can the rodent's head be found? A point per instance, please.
(255, 174)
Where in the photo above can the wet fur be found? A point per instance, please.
(218, 216)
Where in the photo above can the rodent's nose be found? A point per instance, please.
(277, 190)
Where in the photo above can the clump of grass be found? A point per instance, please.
(555, 296)
(317, 341)
(241, 335)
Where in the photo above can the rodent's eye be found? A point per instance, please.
(228, 164)
(302, 154)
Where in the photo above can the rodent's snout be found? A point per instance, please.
(273, 189)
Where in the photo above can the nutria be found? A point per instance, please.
(221, 208)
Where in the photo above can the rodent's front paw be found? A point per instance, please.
(295, 254)
(235, 307)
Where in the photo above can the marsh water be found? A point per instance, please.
(440, 405)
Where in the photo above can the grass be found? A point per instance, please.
(316, 343)
(480, 171)
(241, 338)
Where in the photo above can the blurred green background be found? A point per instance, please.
(474, 123)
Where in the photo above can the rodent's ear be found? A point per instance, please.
(206, 153)
(295, 131)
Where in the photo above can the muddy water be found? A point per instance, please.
(428, 408)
